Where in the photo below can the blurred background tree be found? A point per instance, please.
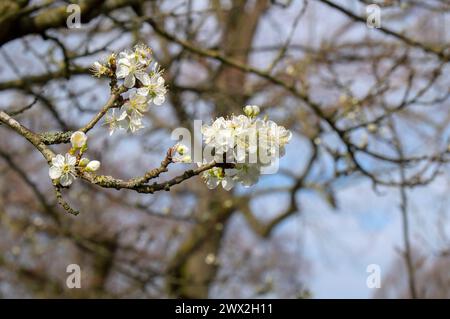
(368, 108)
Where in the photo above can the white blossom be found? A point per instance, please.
(272, 138)
(246, 142)
(183, 152)
(132, 112)
(210, 132)
(98, 69)
(130, 67)
(136, 104)
(153, 87)
(142, 54)
(63, 169)
(115, 122)
(181, 149)
(134, 122)
(217, 175)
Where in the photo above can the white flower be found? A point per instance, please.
(228, 180)
(142, 54)
(212, 177)
(136, 104)
(224, 140)
(219, 176)
(278, 132)
(248, 142)
(78, 139)
(154, 88)
(130, 68)
(134, 122)
(93, 166)
(63, 168)
(272, 138)
(211, 131)
(135, 65)
(181, 149)
(98, 69)
(114, 122)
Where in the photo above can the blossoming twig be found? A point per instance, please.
(233, 139)
(137, 184)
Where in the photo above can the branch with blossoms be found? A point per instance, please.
(64, 169)
(136, 83)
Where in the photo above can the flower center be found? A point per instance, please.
(66, 168)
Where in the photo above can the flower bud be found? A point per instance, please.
(251, 110)
(83, 162)
(93, 166)
(78, 139)
(112, 60)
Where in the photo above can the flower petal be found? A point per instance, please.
(160, 80)
(58, 160)
(71, 160)
(54, 172)
(122, 116)
(143, 77)
(142, 91)
(159, 99)
(227, 183)
(212, 182)
(129, 81)
(65, 180)
(122, 71)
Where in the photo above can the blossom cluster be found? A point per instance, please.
(241, 146)
(246, 143)
(64, 168)
(143, 80)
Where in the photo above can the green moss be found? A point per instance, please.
(49, 138)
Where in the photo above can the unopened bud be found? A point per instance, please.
(83, 162)
(93, 166)
(78, 139)
(251, 110)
